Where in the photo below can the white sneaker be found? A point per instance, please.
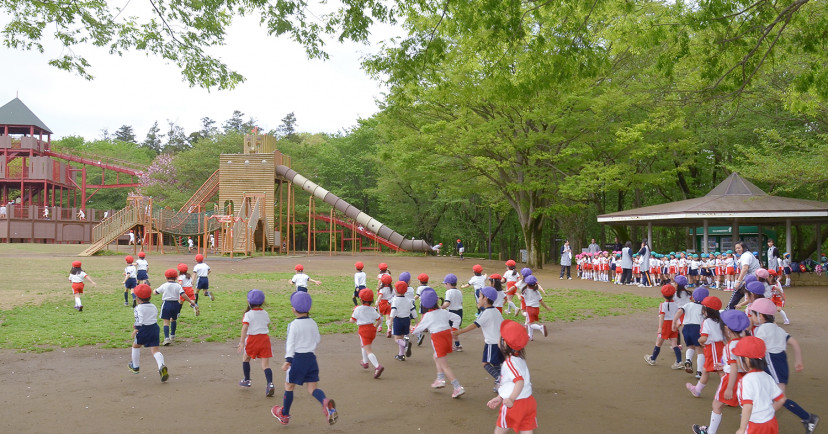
(649, 359)
(167, 341)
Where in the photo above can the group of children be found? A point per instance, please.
(717, 270)
(746, 348)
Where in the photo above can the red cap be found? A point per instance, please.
(401, 287)
(386, 279)
(182, 268)
(366, 294)
(171, 273)
(383, 266)
(712, 302)
(511, 263)
(423, 278)
(142, 255)
(477, 268)
(668, 290)
(773, 272)
(495, 277)
(299, 267)
(514, 334)
(199, 257)
(750, 347)
(129, 259)
(76, 264)
(359, 266)
(143, 291)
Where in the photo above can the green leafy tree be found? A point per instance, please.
(287, 130)
(153, 139)
(125, 134)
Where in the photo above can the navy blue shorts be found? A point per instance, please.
(301, 288)
(402, 326)
(693, 273)
(130, 283)
(787, 270)
(170, 309)
(692, 333)
(303, 369)
(356, 290)
(142, 275)
(203, 283)
(492, 354)
(459, 313)
(148, 335)
(778, 367)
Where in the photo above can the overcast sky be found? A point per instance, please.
(326, 96)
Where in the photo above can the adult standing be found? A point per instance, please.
(644, 266)
(626, 263)
(748, 264)
(593, 247)
(617, 246)
(566, 260)
(773, 256)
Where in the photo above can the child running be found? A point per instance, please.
(300, 361)
(130, 280)
(384, 306)
(423, 281)
(367, 320)
(518, 408)
(402, 312)
(454, 303)
(360, 281)
(666, 314)
(145, 332)
(186, 282)
(300, 279)
(255, 340)
(691, 316)
(510, 276)
(758, 394)
(438, 322)
(76, 277)
(496, 282)
(776, 341)
(534, 300)
(170, 307)
(736, 322)
(201, 271)
(489, 322)
(477, 281)
(712, 339)
(142, 268)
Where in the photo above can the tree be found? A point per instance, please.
(125, 134)
(176, 138)
(235, 123)
(153, 140)
(287, 130)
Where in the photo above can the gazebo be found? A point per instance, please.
(735, 201)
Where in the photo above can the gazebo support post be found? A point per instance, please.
(650, 234)
(704, 239)
(695, 241)
(788, 243)
(735, 231)
(818, 242)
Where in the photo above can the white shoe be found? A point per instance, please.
(167, 341)
(786, 322)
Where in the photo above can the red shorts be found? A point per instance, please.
(441, 342)
(619, 270)
(730, 271)
(189, 291)
(511, 288)
(667, 330)
(723, 385)
(776, 299)
(384, 307)
(769, 427)
(77, 288)
(712, 354)
(521, 417)
(671, 269)
(367, 333)
(533, 313)
(636, 270)
(258, 347)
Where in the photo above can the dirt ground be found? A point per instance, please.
(587, 376)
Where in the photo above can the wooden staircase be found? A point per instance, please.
(250, 213)
(110, 229)
(203, 194)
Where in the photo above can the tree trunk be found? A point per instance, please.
(532, 233)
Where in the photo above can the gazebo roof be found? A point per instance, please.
(19, 118)
(735, 198)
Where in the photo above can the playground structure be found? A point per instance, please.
(256, 211)
(49, 195)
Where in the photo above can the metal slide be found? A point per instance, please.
(351, 211)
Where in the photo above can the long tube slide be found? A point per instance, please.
(351, 211)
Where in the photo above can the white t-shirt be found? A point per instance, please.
(385, 293)
(141, 264)
(693, 313)
(511, 276)
(775, 338)
(300, 280)
(759, 388)
(77, 278)
(478, 282)
(201, 269)
(436, 321)
(514, 369)
(257, 321)
(420, 289)
(360, 279)
(748, 259)
(402, 307)
(668, 309)
(170, 291)
(365, 315)
(302, 337)
(683, 299)
(489, 323)
(712, 330)
(455, 299)
(130, 271)
(145, 314)
(500, 298)
(186, 282)
(532, 297)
